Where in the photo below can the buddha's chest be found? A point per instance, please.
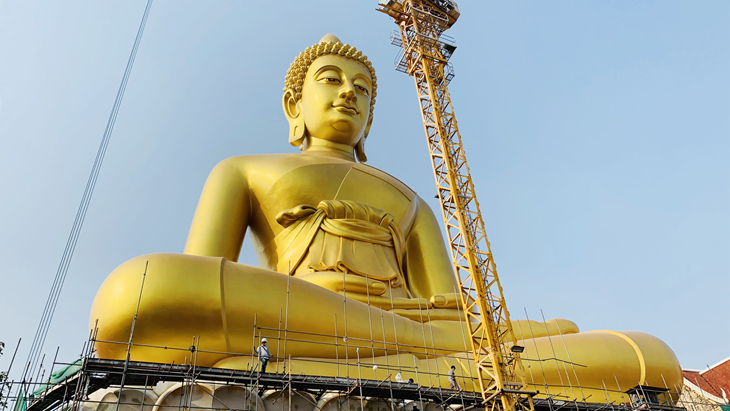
(310, 184)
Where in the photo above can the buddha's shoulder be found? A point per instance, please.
(285, 161)
(278, 165)
(382, 175)
(254, 160)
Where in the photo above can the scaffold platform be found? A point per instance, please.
(96, 374)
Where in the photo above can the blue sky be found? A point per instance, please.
(597, 133)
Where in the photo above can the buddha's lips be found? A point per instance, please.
(346, 109)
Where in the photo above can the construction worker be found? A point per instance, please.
(452, 379)
(264, 354)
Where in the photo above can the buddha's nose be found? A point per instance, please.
(348, 94)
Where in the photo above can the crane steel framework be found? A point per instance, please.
(426, 51)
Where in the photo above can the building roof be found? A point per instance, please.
(714, 380)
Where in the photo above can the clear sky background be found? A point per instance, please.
(597, 132)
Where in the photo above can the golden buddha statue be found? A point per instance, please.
(352, 263)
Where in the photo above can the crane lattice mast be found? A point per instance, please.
(426, 51)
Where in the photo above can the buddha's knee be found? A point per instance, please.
(180, 299)
(601, 362)
(657, 364)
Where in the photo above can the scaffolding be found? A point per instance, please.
(94, 384)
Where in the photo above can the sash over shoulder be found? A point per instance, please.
(342, 236)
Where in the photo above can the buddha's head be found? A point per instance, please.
(329, 95)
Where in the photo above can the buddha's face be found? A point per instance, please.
(336, 99)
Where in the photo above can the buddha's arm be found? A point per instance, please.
(222, 216)
(428, 266)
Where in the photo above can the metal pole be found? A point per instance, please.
(433, 346)
(344, 307)
(194, 355)
(286, 321)
(258, 373)
(395, 329)
(278, 343)
(337, 349)
(557, 365)
(370, 322)
(713, 377)
(51, 373)
(359, 378)
(425, 349)
(463, 338)
(40, 367)
(131, 334)
(7, 373)
(619, 387)
(253, 344)
(529, 367)
(144, 394)
(577, 381)
(537, 352)
(385, 346)
(22, 386)
(290, 393)
(96, 333)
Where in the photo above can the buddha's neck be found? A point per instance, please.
(326, 148)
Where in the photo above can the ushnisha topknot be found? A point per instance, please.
(328, 45)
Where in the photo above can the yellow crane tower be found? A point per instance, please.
(426, 53)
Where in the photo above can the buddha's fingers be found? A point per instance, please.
(388, 304)
(450, 300)
(527, 329)
(416, 309)
(340, 282)
(434, 314)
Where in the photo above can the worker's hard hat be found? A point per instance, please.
(263, 340)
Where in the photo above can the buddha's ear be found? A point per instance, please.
(367, 128)
(293, 113)
(360, 147)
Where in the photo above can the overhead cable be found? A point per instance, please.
(50, 308)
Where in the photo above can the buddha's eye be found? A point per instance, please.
(331, 80)
(363, 89)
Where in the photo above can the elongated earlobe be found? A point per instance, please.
(360, 147)
(360, 150)
(297, 129)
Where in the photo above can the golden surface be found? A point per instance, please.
(311, 215)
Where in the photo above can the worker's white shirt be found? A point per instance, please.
(452, 375)
(263, 352)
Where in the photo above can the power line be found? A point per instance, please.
(52, 302)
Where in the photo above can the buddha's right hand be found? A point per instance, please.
(449, 300)
(527, 329)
